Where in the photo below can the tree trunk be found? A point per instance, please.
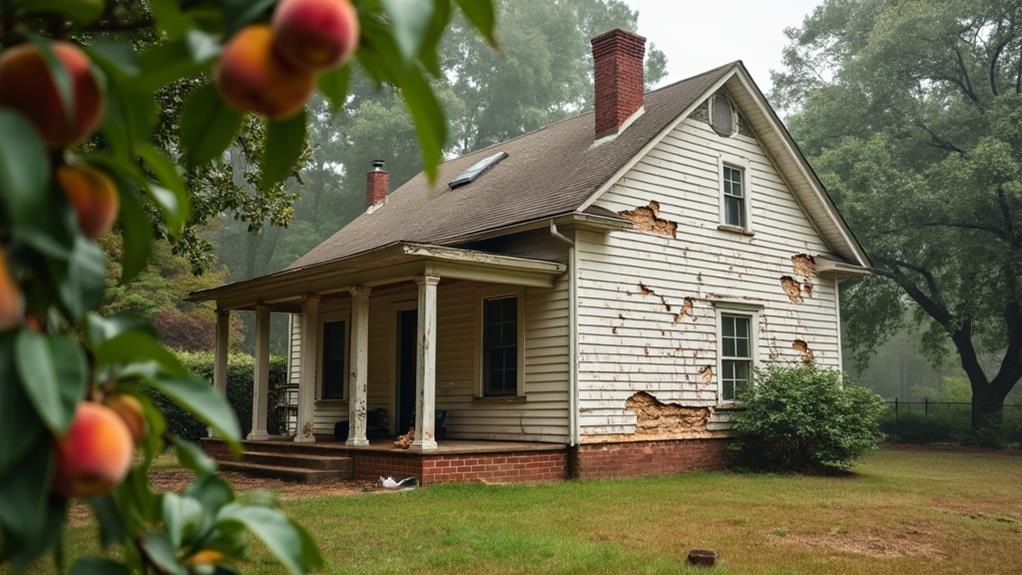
(987, 411)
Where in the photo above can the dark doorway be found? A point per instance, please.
(407, 330)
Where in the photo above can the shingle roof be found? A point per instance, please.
(548, 172)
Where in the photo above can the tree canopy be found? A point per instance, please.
(911, 111)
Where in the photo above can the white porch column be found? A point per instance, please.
(425, 365)
(310, 356)
(223, 330)
(358, 378)
(261, 381)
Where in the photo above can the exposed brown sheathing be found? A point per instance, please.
(686, 309)
(706, 375)
(666, 420)
(803, 265)
(802, 347)
(647, 219)
(793, 288)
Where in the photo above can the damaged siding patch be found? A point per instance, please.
(793, 288)
(647, 219)
(802, 347)
(805, 266)
(686, 309)
(656, 418)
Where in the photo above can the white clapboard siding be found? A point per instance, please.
(629, 341)
(544, 413)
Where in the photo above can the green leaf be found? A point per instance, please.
(82, 281)
(81, 12)
(438, 23)
(200, 399)
(134, 346)
(98, 566)
(52, 371)
(482, 15)
(111, 526)
(25, 168)
(193, 457)
(210, 490)
(169, 18)
(430, 125)
(116, 58)
(136, 231)
(333, 84)
(59, 74)
(130, 117)
(19, 425)
(208, 125)
(161, 551)
(410, 21)
(285, 140)
(181, 515)
(276, 531)
(99, 329)
(184, 57)
(24, 492)
(239, 13)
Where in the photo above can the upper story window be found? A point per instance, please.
(500, 346)
(734, 197)
(334, 352)
(736, 348)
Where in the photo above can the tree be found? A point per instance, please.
(911, 111)
(80, 157)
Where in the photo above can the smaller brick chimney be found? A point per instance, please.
(377, 184)
(618, 59)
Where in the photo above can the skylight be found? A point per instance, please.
(472, 174)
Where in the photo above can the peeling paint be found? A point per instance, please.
(656, 418)
(802, 347)
(706, 375)
(647, 219)
(645, 289)
(807, 289)
(793, 288)
(803, 265)
(686, 309)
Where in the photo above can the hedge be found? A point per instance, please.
(240, 375)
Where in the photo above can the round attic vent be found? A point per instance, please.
(722, 117)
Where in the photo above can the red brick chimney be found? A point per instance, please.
(377, 184)
(618, 59)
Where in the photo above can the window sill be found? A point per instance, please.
(736, 230)
(500, 398)
(331, 401)
(730, 406)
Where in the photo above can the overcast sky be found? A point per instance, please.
(697, 36)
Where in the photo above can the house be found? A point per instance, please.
(588, 299)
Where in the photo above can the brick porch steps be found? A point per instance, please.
(289, 473)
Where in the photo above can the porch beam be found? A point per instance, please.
(223, 329)
(310, 356)
(261, 381)
(425, 365)
(358, 378)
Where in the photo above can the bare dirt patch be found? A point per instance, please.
(909, 543)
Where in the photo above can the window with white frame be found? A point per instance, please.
(734, 196)
(334, 354)
(500, 346)
(736, 349)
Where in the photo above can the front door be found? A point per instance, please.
(407, 330)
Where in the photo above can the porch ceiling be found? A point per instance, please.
(393, 263)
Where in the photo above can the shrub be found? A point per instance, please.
(806, 418)
(919, 428)
(240, 373)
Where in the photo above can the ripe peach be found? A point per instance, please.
(252, 78)
(10, 296)
(206, 557)
(315, 35)
(95, 453)
(93, 195)
(27, 86)
(130, 410)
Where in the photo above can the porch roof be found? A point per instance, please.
(395, 262)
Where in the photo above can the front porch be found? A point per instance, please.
(388, 340)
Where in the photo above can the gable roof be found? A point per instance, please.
(548, 172)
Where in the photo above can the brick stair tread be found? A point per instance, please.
(286, 473)
(302, 460)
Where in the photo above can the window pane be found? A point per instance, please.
(734, 211)
(728, 345)
(742, 326)
(333, 352)
(741, 348)
(500, 346)
(727, 328)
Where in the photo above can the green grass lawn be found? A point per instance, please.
(903, 511)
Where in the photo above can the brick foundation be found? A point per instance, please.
(497, 467)
(634, 459)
